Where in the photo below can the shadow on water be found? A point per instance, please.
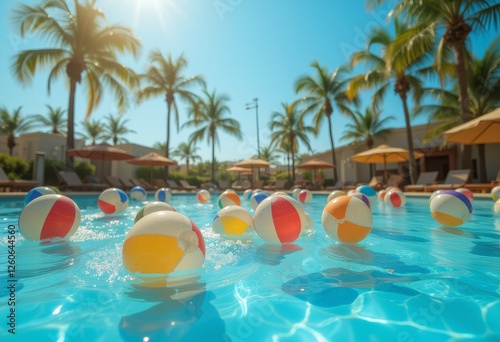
(185, 313)
(490, 249)
(273, 254)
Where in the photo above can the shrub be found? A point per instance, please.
(52, 166)
(84, 169)
(15, 167)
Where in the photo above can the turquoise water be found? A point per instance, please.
(409, 280)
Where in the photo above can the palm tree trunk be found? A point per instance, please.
(334, 160)
(11, 143)
(409, 136)
(70, 137)
(167, 143)
(293, 159)
(213, 159)
(464, 100)
(187, 165)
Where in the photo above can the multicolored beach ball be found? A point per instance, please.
(362, 197)
(228, 198)
(469, 194)
(347, 219)
(369, 192)
(203, 196)
(49, 216)
(451, 208)
(138, 193)
(495, 193)
(232, 221)
(37, 192)
(163, 195)
(163, 242)
(279, 219)
(153, 207)
(112, 201)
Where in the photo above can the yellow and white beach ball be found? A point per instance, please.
(335, 194)
(203, 196)
(232, 220)
(469, 194)
(163, 195)
(138, 193)
(228, 198)
(495, 193)
(256, 199)
(395, 198)
(163, 242)
(153, 207)
(279, 219)
(347, 219)
(305, 196)
(49, 216)
(451, 208)
(112, 201)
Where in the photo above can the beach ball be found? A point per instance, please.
(280, 193)
(381, 195)
(37, 192)
(469, 194)
(203, 196)
(163, 242)
(247, 194)
(153, 207)
(395, 198)
(112, 201)
(347, 219)
(362, 197)
(163, 194)
(495, 193)
(49, 216)
(350, 192)
(369, 192)
(138, 193)
(279, 219)
(309, 226)
(496, 208)
(434, 194)
(256, 191)
(296, 192)
(335, 194)
(256, 199)
(232, 220)
(228, 198)
(230, 190)
(305, 196)
(451, 208)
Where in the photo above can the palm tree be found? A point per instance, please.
(208, 115)
(12, 124)
(84, 49)
(165, 77)
(268, 153)
(187, 151)
(401, 75)
(55, 120)
(325, 90)
(365, 127)
(115, 128)
(93, 130)
(453, 21)
(288, 130)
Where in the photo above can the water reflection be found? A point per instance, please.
(273, 254)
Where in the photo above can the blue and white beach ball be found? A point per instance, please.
(256, 199)
(112, 201)
(451, 208)
(163, 195)
(138, 193)
(37, 192)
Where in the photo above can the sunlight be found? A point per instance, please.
(151, 8)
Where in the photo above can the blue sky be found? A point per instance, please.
(244, 48)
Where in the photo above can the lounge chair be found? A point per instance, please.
(16, 185)
(71, 181)
(483, 187)
(393, 180)
(186, 186)
(126, 183)
(173, 185)
(278, 185)
(142, 183)
(159, 183)
(258, 184)
(115, 182)
(425, 178)
(454, 179)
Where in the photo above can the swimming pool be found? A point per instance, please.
(409, 280)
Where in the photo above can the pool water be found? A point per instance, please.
(411, 279)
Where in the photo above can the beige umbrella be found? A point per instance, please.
(240, 171)
(102, 152)
(152, 159)
(482, 130)
(253, 163)
(384, 154)
(315, 164)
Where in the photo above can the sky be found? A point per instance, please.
(245, 49)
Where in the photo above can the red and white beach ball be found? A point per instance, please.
(138, 193)
(37, 192)
(469, 194)
(279, 219)
(163, 242)
(49, 216)
(232, 220)
(153, 207)
(256, 199)
(228, 198)
(347, 219)
(305, 196)
(495, 193)
(451, 208)
(163, 195)
(203, 196)
(395, 198)
(112, 201)
(335, 194)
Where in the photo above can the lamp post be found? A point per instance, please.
(255, 105)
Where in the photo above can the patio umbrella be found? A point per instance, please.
(240, 170)
(384, 154)
(152, 159)
(102, 152)
(253, 163)
(482, 130)
(315, 164)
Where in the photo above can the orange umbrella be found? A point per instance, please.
(481, 130)
(152, 159)
(315, 164)
(253, 163)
